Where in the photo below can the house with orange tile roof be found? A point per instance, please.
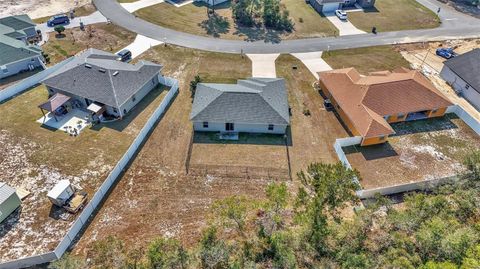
(368, 104)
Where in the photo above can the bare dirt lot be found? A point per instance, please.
(38, 8)
(35, 158)
(421, 150)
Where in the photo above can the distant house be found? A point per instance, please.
(96, 80)
(16, 54)
(9, 201)
(368, 104)
(463, 73)
(329, 6)
(255, 105)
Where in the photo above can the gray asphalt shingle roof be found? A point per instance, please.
(99, 76)
(467, 66)
(256, 101)
(11, 49)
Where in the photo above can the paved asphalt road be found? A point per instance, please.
(454, 25)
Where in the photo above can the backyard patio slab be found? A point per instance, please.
(75, 119)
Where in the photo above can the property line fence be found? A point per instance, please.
(236, 171)
(98, 197)
(422, 185)
(31, 81)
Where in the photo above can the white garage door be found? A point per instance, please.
(330, 7)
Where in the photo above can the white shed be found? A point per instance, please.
(62, 191)
(9, 201)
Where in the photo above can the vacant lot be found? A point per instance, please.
(192, 18)
(84, 10)
(36, 158)
(421, 150)
(394, 15)
(107, 37)
(367, 59)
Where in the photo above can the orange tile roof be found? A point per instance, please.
(366, 100)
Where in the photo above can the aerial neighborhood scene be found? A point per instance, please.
(239, 134)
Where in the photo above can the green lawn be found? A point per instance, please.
(395, 15)
(367, 59)
(193, 19)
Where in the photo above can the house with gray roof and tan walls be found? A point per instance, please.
(97, 81)
(254, 105)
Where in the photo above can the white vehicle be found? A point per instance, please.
(341, 14)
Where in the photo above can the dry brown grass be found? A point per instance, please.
(107, 37)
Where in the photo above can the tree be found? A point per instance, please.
(472, 162)
(214, 253)
(331, 185)
(59, 29)
(193, 85)
(166, 253)
(108, 253)
(232, 212)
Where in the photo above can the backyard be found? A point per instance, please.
(394, 15)
(420, 150)
(35, 158)
(103, 36)
(193, 18)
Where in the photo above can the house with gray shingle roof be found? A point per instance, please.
(463, 74)
(97, 77)
(255, 105)
(16, 54)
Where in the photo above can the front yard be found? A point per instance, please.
(421, 150)
(35, 158)
(103, 36)
(394, 15)
(366, 60)
(193, 18)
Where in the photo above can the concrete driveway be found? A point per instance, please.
(134, 6)
(313, 61)
(263, 65)
(141, 44)
(344, 27)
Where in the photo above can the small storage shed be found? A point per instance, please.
(62, 191)
(9, 201)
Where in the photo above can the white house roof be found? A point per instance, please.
(59, 188)
(5, 192)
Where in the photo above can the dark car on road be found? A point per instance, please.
(124, 55)
(57, 20)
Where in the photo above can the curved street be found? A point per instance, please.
(454, 25)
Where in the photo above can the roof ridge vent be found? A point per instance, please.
(102, 70)
(115, 73)
(88, 66)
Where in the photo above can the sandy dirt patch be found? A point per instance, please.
(421, 150)
(38, 8)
